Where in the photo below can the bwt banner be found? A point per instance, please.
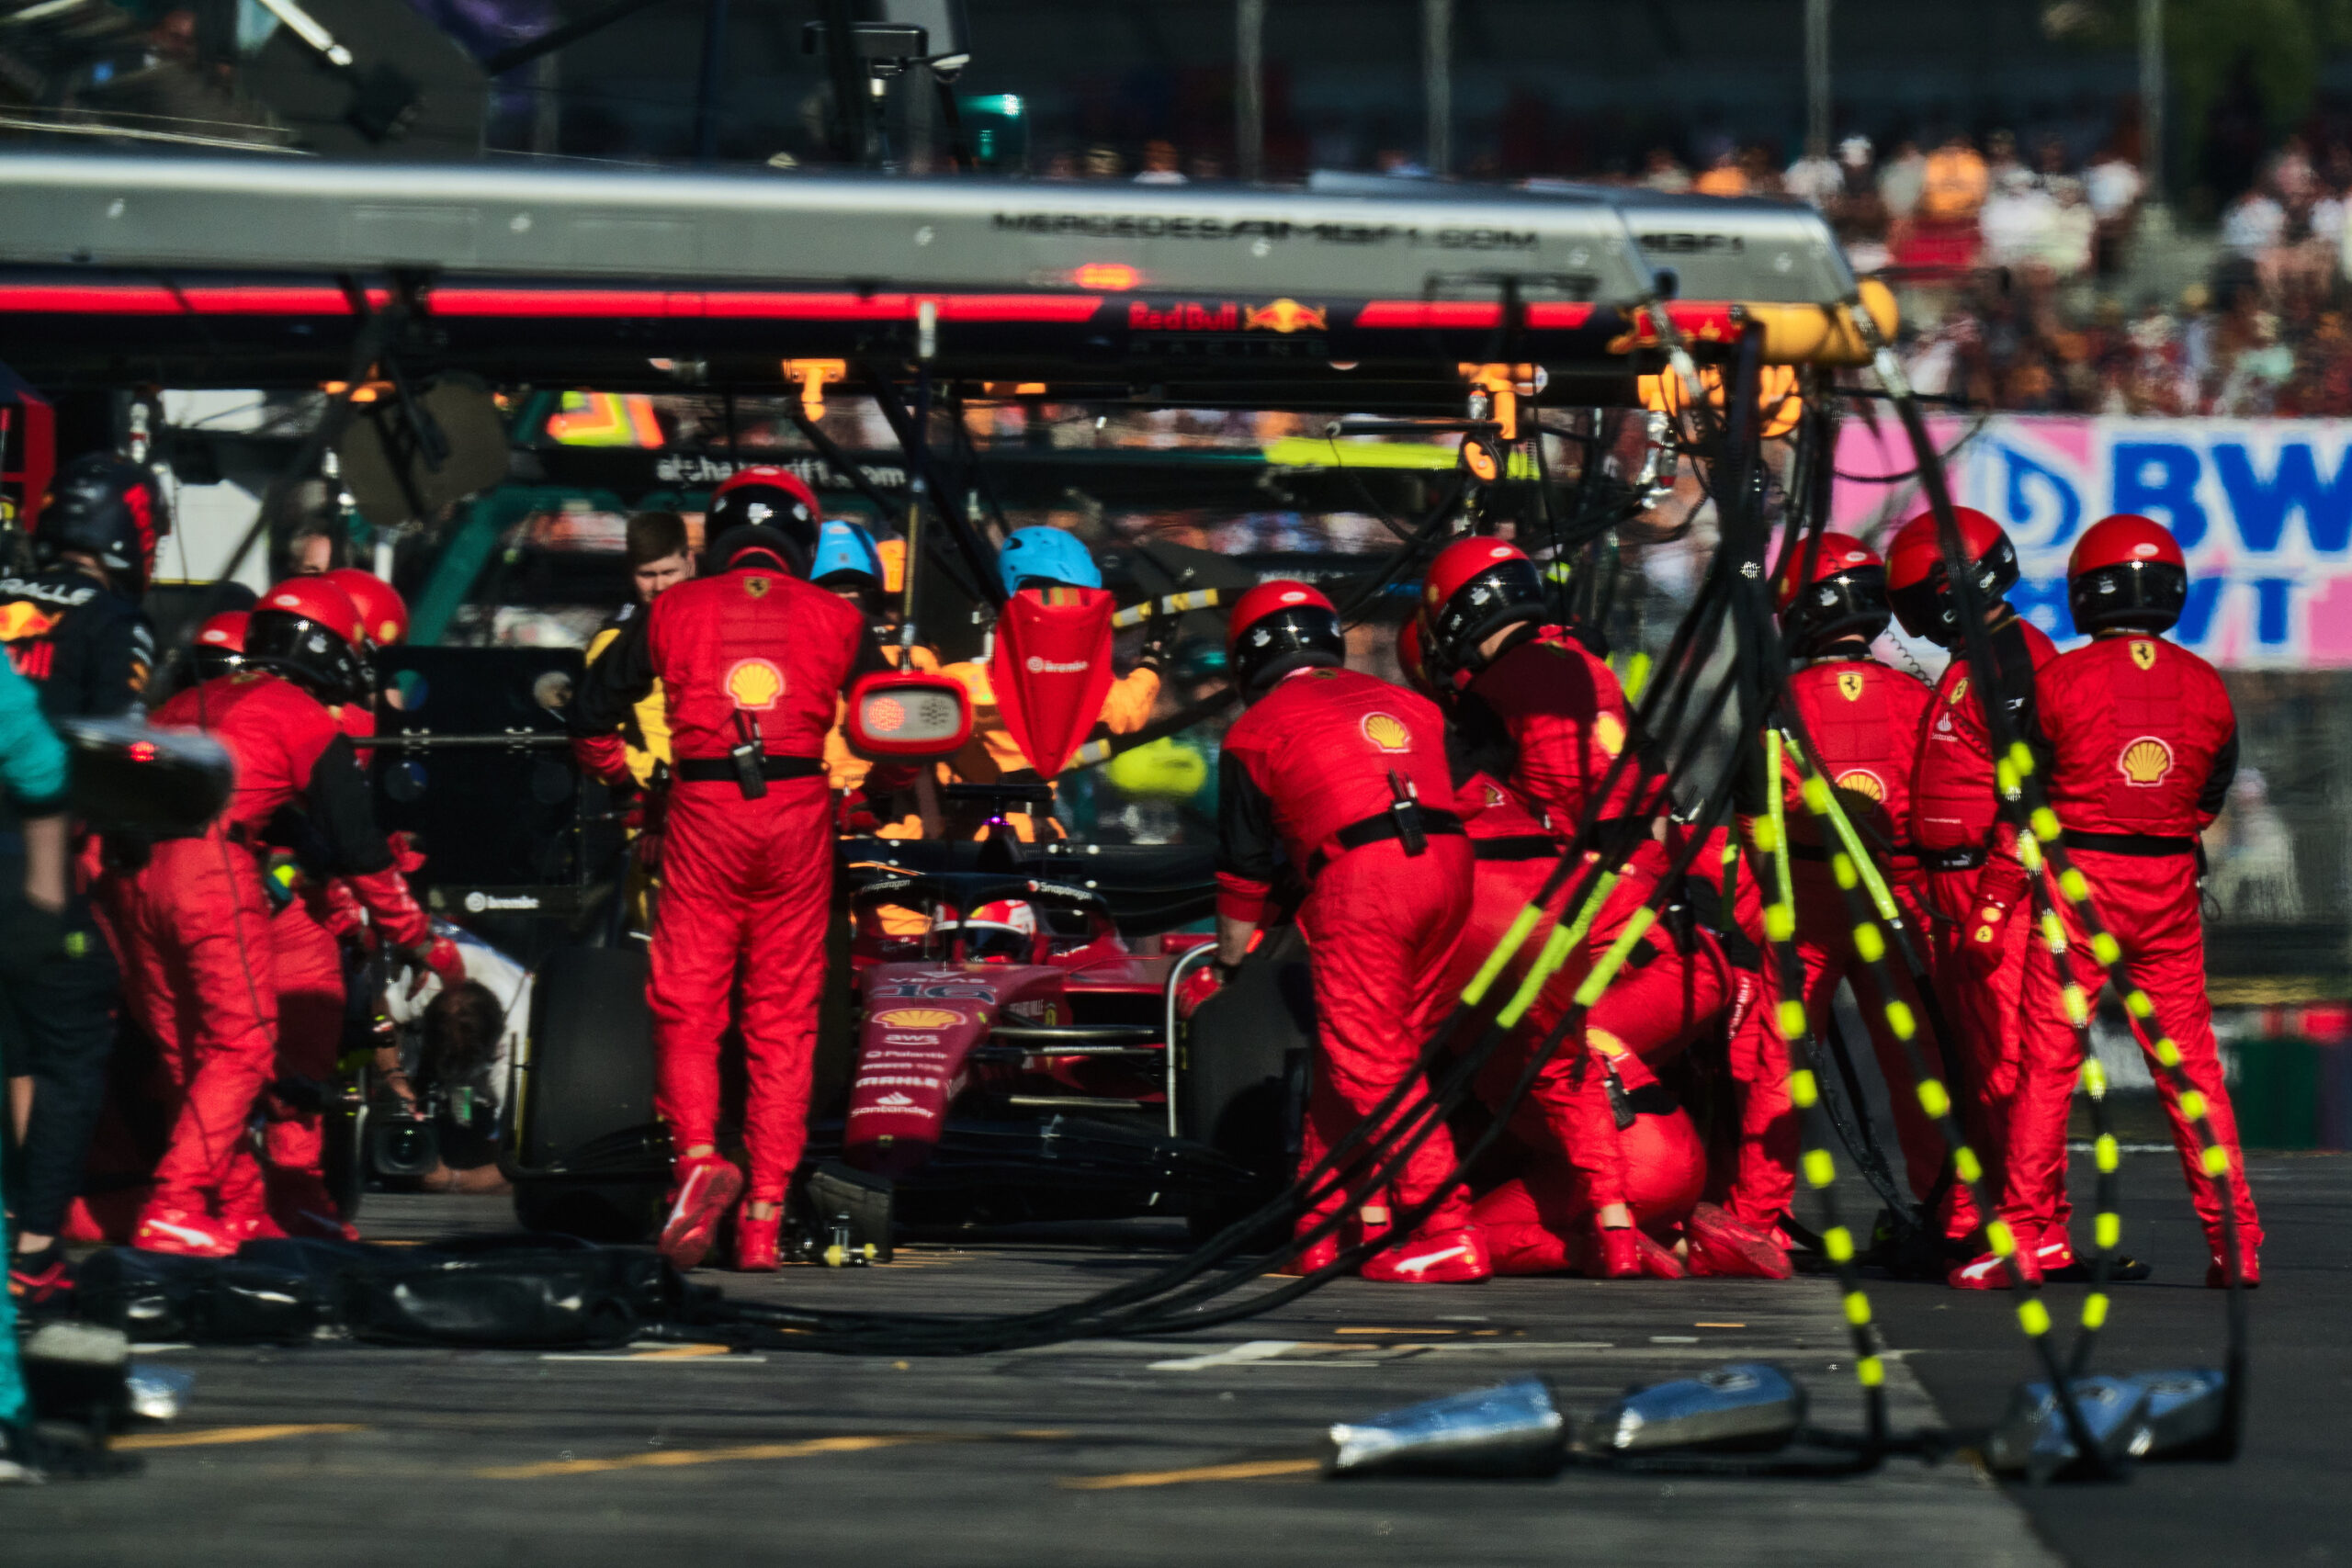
(2262, 508)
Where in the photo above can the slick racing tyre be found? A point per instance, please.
(1240, 1080)
(587, 1158)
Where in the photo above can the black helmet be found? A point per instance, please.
(773, 498)
(308, 630)
(109, 507)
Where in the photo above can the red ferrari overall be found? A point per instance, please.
(198, 958)
(1566, 721)
(1314, 767)
(2143, 744)
(751, 657)
(306, 944)
(1973, 882)
(1866, 719)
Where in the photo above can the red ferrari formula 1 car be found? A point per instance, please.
(997, 1049)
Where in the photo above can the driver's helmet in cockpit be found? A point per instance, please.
(1003, 930)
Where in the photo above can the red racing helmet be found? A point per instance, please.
(382, 612)
(308, 630)
(218, 647)
(769, 498)
(1280, 627)
(1003, 930)
(1920, 593)
(1844, 596)
(2127, 574)
(1410, 657)
(1476, 588)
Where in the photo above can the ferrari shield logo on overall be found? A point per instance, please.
(2143, 653)
(1850, 684)
(755, 684)
(756, 586)
(1609, 734)
(1958, 690)
(1388, 732)
(2145, 761)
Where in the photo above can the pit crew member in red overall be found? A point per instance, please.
(1865, 719)
(1345, 777)
(75, 630)
(2140, 745)
(193, 919)
(1569, 1209)
(307, 939)
(1974, 881)
(752, 661)
(1538, 707)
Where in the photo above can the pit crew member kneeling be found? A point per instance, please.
(1346, 777)
(753, 661)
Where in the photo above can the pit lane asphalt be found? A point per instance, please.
(1199, 1450)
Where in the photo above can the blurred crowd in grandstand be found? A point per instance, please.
(2014, 262)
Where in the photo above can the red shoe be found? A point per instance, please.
(1314, 1258)
(1723, 1247)
(1619, 1254)
(1990, 1271)
(301, 1205)
(755, 1241)
(40, 1282)
(1658, 1261)
(2055, 1253)
(252, 1225)
(2249, 1268)
(1436, 1257)
(705, 1187)
(186, 1233)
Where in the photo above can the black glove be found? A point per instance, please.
(30, 936)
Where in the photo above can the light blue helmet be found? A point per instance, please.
(1046, 555)
(844, 547)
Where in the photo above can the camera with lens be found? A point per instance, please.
(402, 1138)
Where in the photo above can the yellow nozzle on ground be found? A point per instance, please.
(1821, 334)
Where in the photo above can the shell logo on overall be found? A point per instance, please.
(756, 684)
(1864, 781)
(917, 1018)
(1388, 732)
(2144, 761)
